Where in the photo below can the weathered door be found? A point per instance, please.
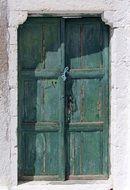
(63, 121)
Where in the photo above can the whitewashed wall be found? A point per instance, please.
(116, 13)
(4, 98)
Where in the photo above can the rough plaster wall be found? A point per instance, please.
(60, 5)
(4, 104)
(117, 15)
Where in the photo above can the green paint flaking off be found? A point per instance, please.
(63, 125)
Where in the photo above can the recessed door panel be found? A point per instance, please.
(84, 44)
(85, 153)
(85, 99)
(40, 158)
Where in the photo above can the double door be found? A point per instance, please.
(63, 98)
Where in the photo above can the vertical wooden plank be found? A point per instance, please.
(72, 152)
(82, 100)
(20, 100)
(105, 55)
(40, 100)
(62, 108)
(77, 153)
(51, 44)
(51, 158)
(29, 113)
(40, 150)
(92, 45)
(50, 100)
(93, 99)
(72, 45)
(75, 88)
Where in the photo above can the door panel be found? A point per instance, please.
(85, 153)
(46, 102)
(51, 46)
(86, 99)
(40, 98)
(41, 44)
(73, 46)
(63, 124)
(84, 44)
(86, 96)
(92, 45)
(30, 46)
(40, 154)
(29, 100)
(39, 104)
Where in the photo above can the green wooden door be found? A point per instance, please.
(63, 122)
(87, 98)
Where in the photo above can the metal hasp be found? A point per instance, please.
(64, 77)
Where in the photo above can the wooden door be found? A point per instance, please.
(63, 122)
(41, 99)
(87, 98)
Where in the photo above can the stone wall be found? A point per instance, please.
(4, 95)
(115, 13)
